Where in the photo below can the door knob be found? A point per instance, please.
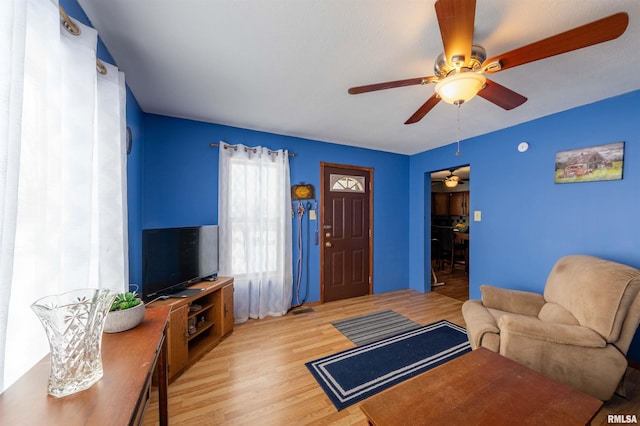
(328, 235)
(328, 244)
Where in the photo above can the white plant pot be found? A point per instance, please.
(118, 321)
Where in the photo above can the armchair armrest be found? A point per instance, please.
(533, 328)
(515, 301)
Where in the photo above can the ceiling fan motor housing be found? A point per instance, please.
(442, 68)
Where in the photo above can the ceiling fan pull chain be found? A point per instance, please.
(458, 153)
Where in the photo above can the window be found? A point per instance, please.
(255, 217)
(255, 229)
(343, 183)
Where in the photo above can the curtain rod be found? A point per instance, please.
(73, 29)
(247, 149)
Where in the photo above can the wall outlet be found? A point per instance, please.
(477, 215)
(312, 215)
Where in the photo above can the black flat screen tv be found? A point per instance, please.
(174, 258)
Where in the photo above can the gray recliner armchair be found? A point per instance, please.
(578, 332)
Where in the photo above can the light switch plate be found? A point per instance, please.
(477, 215)
(312, 215)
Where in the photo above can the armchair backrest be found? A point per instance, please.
(599, 293)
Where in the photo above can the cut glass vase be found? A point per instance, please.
(73, 322)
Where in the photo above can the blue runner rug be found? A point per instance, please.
(355, 374)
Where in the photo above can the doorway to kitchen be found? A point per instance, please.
(449, 224)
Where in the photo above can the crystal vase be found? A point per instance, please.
(73, 322)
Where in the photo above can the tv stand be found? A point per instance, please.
(197, 323)
(185, 292)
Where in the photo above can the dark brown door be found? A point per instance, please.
(346, 234)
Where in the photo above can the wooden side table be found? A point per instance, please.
(119, 398)
(481, 388)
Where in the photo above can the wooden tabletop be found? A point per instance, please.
(479, 388)
(127, 358)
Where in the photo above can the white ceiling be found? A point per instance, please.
(284, 66)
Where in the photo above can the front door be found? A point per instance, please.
(346, 237)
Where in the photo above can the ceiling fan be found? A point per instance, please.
(450, 181)
(461, 69)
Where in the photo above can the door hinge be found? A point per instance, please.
(369, 279)
(369, 233)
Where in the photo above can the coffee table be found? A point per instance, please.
(480, 387)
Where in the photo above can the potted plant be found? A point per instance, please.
(127, 311)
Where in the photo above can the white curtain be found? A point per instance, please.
(62, 166)
(254, 209)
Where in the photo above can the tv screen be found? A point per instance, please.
(174, 258)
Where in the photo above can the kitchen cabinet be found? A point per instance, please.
(459, 203)
(450, 203)
(440, 204)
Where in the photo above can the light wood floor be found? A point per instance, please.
(257, 375)
(456, 283)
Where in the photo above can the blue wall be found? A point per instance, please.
(181, 188)
(528, 221)
(134, 188)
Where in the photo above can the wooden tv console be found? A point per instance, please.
(211, 314)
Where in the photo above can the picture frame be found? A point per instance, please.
(590, 164)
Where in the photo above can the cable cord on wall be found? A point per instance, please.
(306, 292)
(300, 252)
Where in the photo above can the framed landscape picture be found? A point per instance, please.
(601, 162)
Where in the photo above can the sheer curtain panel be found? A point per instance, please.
(62, 173)
(255, 229)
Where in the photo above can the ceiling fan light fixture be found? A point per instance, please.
(451, 183)
(459, 88)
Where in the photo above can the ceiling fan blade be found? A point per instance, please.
(424, 109)
(501, 96)
(456, 18)
(599, 31)
(391, 84)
